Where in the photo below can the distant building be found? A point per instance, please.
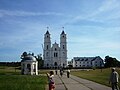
(55, 55)
(86, 62)
(70, 62)
(29, 65)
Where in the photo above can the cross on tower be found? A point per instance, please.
(63, 28)
(47, 28)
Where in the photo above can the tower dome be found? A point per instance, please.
(29, 58)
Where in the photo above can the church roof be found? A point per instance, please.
(47, 32)
(55, 44)
(63, 32)
(87, 58)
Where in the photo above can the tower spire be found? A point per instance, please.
(47, 30)
(63, 31)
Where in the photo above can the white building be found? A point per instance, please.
(55, 55)
(87, 62)
(70, 63)
(29, 65)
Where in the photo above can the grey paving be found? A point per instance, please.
(76, 83)
(71, 84)
(90, 84)
(58, 83)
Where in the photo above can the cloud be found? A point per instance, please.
(25, 13)
(108, 5)
(107, 11)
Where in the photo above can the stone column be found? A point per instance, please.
(25, 69)
(31, 71)
(36, 68)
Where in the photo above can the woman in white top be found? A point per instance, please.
(51, 80)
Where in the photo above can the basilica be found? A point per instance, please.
(55, 55)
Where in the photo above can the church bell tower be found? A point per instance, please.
(63, 49)
(47, 49)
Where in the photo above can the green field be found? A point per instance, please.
(11, 79)
(96, 75)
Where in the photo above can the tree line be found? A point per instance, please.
(108, 61)
(111, 62)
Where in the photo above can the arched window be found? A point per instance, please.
(55, 54)
(55, 49)
(29, 67)
(63, 47)
(55, 64)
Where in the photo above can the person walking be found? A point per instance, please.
(56, 71)
(51, 80)
(61, 72)
(114, 76)
(68, 73)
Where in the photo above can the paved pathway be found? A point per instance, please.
(76, 83)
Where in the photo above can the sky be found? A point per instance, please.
(92, 27)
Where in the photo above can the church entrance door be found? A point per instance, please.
(55, 64)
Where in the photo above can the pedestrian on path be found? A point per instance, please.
(114, 76)
(51, 80)
(68, 73)
(61, 72)
(56, 71)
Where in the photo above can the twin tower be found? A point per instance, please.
(55, 55)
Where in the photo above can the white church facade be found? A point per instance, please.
(55, 55)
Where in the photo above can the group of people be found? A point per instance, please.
(62, 71)
(114, 78)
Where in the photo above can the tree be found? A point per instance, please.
(70, 66)
(111, 62)
(39, 59)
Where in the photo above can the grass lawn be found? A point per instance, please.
(96, 75)
(10, 79)
(43, 71)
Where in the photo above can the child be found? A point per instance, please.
(51, 81)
